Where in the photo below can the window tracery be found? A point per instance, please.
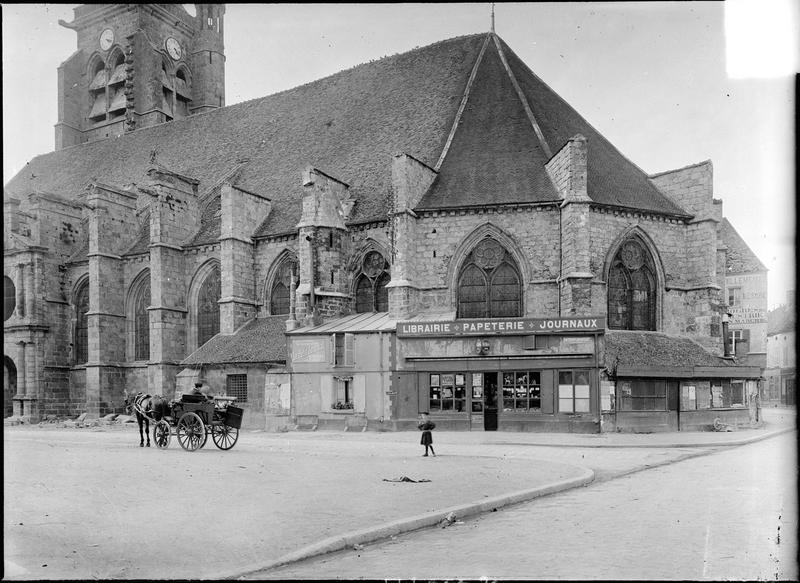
(632, 289)
(371, 292)
(489, 283)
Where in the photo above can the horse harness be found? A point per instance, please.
(140, 403)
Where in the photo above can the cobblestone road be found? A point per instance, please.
(730, 515)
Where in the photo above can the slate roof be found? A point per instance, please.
(259, 340)
(349, 125)
(495, 123)
(631, 349)
(740, 258)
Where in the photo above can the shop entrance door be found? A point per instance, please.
(490, 401)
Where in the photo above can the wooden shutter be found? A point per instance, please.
(349, 349)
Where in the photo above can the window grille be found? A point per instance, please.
(236, 386)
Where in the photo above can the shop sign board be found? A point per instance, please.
(489, 326)
(308, 350)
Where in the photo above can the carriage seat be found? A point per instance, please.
(193, 398)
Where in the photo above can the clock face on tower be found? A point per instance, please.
(173, 48)
(106, 39)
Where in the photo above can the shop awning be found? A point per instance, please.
(653, 354)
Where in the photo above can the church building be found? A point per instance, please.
(433, 231)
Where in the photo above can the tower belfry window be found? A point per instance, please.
(97, 92)
(167, 94)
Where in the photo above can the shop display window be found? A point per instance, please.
(718, 394)
(448, 393)
(573, 391)
(643, 395)
(522, 391)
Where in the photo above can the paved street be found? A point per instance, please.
(729, 515)
(89, 503)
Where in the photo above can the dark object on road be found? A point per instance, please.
(405, 479)
(193, 421)
(448, 520)
(147, 408)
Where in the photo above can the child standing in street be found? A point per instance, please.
(426, 425)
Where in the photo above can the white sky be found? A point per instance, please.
(668, 83)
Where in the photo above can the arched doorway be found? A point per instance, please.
(9, 386)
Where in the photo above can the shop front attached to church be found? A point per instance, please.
(518, 374)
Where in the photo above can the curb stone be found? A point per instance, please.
(731, 443)
(404, 525)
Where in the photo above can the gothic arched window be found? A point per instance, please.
(632, 289)
(279, 296)
(489, 283)
(141, 321)
(371, 292)
(208, 308)
(81, 324)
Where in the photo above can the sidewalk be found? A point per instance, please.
(283, 497)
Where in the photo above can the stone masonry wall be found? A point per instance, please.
(441, 234)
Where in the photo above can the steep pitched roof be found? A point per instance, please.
(259, 340)
(740, 258)
(351, 124)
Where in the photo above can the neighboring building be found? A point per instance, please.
(746, 293)
(781, 370)
(437, 230)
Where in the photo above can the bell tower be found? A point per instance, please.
(208, 58)
(138, 65)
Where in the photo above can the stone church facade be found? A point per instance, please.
(435, 230)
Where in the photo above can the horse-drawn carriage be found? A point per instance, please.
(194, 417)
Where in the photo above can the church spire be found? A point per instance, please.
(492, 17)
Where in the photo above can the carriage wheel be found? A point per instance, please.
(191, 431)
(161, 434)
(205, 437)
(224, 436)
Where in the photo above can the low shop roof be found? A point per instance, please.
(260, 340)
(653, 354)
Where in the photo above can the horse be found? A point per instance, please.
(147, 408)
